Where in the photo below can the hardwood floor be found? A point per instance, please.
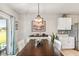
(70, 52)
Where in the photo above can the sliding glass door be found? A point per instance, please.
(3, 36)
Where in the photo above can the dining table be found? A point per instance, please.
(42, 49)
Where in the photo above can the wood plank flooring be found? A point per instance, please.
(70, 52)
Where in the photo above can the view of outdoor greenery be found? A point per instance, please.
(2, 37)
(2, 34)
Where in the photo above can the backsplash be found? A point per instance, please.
(63, 31)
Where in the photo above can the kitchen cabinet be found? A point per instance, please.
(67, 42)
(64, 23)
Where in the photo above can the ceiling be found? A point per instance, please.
(45, 8)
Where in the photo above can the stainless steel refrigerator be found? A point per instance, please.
(75, 33)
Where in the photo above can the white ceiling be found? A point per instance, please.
(45, 8)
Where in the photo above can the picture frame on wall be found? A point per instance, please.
(37, 27)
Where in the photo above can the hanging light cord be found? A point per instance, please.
(38, 8)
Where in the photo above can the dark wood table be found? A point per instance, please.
(42, 50)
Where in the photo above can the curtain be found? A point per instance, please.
(13, 41)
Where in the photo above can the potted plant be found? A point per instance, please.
(52, 37)
(55, 41)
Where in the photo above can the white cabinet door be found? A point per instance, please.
(64, 24)
(64, 43)
(68, 24)
(67, 42)
(71, 42)
(61, 23)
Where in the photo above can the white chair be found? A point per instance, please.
(57, 44)
(57, 47)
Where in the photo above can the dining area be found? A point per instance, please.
(38, 48)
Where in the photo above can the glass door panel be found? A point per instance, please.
(3, 37)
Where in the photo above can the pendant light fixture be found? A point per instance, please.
(39, 19)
